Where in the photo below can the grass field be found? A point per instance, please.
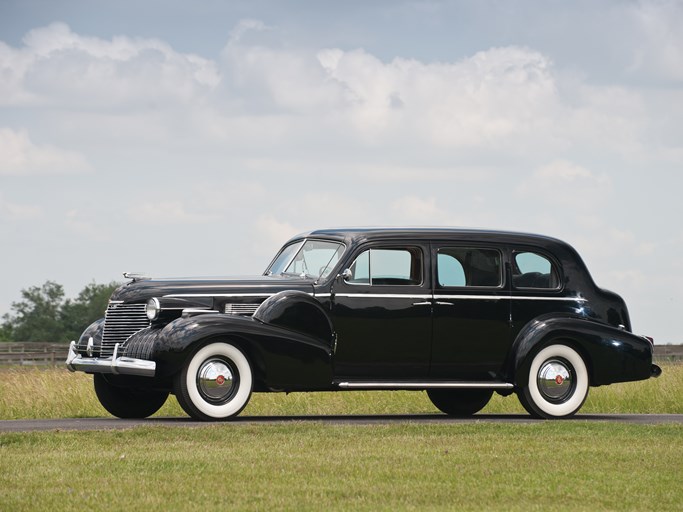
(543, 466)
(315, 466)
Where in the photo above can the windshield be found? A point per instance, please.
(309, 258)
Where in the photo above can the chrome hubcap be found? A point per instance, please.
(555, 380)
(215, 380)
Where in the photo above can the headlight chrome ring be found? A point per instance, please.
(153, 308)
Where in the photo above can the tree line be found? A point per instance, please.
(45, 314)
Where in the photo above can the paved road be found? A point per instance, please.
(437, 419)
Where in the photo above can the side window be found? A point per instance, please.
(532, 270)
(387, 267)
(360, 270)
(450, 271)
(468, 266)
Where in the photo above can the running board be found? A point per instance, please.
(424, 385)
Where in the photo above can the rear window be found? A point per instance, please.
(533, 270)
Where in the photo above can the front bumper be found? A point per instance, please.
(114, 364)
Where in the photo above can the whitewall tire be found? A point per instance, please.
(558, 383)
(215, 383)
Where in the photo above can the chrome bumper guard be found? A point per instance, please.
(114, 364)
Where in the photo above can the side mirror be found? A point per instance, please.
(346, 274)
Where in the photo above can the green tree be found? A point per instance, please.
(44, 315)
(38, 316)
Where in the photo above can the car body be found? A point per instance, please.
(457, 313)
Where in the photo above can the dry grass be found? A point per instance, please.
(57, 393)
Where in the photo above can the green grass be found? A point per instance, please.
(57, 393)
(313, 466)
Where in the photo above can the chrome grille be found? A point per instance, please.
(241, 309)
(120, 323)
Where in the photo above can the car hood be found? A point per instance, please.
(142, 290)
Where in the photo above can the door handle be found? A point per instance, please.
(439, 303)
(427, 303)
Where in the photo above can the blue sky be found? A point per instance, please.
(193, 138)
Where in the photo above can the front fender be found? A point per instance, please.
(611, 354)
(94, 331)
(281, 359)
(299, 312)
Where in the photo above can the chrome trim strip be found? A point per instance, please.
(383, 295)
(452, 297)
(570, 299)
(115, 365)
(425, 385)
(508, 297)
(480, 297)
(386, 296)
(266, 294)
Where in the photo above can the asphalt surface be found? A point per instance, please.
(83, 424)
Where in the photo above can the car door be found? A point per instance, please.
(381, 311)
(471, 324)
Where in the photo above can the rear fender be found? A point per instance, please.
(611, 354)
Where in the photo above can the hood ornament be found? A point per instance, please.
(136, 276)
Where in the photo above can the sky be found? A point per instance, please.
(194, 138)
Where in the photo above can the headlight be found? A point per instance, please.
(153, 309)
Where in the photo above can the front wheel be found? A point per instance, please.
(460, 402)
(124, 402)
(215, 383)
(557, 385)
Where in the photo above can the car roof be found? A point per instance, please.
(361, 234)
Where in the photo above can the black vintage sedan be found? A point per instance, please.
(456, 313)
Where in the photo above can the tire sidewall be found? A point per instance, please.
(460, 402)
(546, 408)
(240, 398)
(125, 402)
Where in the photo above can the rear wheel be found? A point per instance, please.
(215, 383)
(558, 383)
(124, 402)
(460, 402)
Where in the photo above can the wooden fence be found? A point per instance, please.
(54, 354)
(33, 354)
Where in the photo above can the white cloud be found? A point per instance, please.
(659, 50)
(509, 100)
(490, 97)
(245, 26)
(422, 210)
(57, 66)
(565, 183)
(501, 102)
(83, 225)
(20, 156)
(12, 211)
(275, 230)
(167, 213)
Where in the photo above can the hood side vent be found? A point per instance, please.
(241, 309)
